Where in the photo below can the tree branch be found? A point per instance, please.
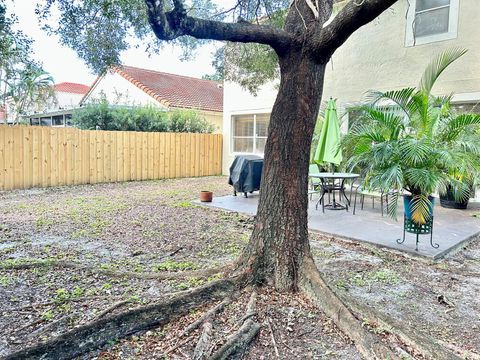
(175, 23)
(352, 17)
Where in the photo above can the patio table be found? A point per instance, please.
(328, 179)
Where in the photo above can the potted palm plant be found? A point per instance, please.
(410, 140)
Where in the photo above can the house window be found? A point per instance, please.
(431, 20)
(46, 121)
(249, 133)
(57, 120)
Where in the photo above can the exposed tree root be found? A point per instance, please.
(166, 275)
(112, 307)
(63, 320)
(207, 316)
(424, 344)
(274, 343)
(312, 283)
(51, 303)
(201, 350)
(239, 340)
(39, 264)
(197, 323)
(368, 345)
(98, 333)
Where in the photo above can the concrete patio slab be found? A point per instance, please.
(451, 229)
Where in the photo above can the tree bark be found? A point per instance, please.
(280, 237)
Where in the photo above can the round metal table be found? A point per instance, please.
(328, 185)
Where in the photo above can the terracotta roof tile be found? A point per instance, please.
(176, 90)
(72, 88)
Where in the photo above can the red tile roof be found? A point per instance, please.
(176, 90)
(72, 88)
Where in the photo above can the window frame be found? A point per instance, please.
(452, 32)
(254, 137)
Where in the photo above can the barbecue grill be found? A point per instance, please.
(245, 174)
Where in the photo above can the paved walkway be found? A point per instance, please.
(451, 229)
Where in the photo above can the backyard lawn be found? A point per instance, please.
(72, 255)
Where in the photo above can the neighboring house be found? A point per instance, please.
(127, 85)
(389, 53)
(69, 94)
(59, 112)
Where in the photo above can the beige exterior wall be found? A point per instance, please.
(376, 58)
(66, 100)
(120, 91)
(237, 101)
(215, 118)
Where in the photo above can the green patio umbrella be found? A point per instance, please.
(328, 148)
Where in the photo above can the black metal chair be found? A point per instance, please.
(373, 193)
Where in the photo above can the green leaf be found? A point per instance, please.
(421, 209)
(437, 66)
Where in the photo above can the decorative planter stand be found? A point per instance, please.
(424, 229)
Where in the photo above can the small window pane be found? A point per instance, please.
(260, 145)
(57, 120)
(46, 121)
(243, 125)
(432, 22)
(35, 121)
(262, 124)
(243, 145)
(430, 4)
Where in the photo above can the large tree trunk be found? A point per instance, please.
(280, 237)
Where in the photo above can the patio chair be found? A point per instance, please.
(315, 183)
(373, 193)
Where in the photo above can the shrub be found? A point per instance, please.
(189, 121)
(145, 118)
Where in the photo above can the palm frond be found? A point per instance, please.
(402, 98)
(456, 125)
(388, 120)
(437, 66)
(425, 178)
(421, 209)
(415, 152)
(393, 204)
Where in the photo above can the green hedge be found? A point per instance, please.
(103, 116)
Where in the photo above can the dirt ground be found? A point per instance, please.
(62, 252)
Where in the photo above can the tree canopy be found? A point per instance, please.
(22, 80)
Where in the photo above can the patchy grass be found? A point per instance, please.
(153, 226)
(369, 278)
(171, 265)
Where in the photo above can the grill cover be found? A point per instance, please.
(245, 173)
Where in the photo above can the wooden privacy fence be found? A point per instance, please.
(32, 156)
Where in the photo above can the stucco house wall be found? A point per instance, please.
(379, 57)
(376, 57)
(66, 100)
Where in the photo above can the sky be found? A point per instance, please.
(65, 66)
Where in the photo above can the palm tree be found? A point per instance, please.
(412, 140)
(30, 90)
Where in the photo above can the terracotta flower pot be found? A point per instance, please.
(206, 196)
